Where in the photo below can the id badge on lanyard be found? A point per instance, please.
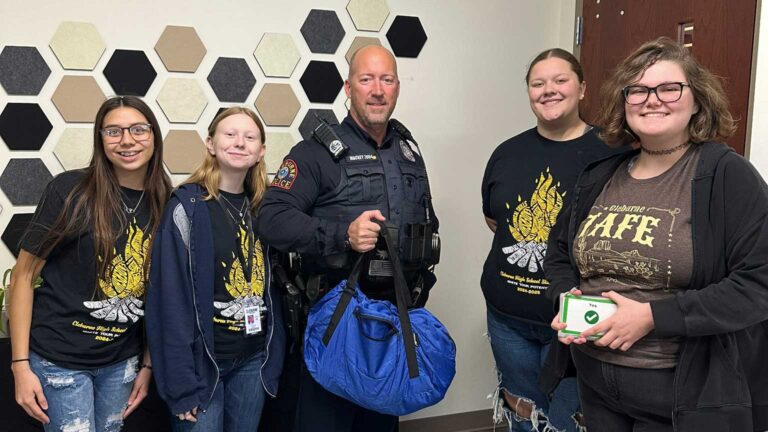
(253, 320)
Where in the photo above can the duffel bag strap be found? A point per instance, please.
(403, 298)
(346, 297)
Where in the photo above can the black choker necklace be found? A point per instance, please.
(665, 151)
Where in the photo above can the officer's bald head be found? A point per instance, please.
(368, 52)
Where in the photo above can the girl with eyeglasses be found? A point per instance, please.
(214, 320)
(675, 233)
(79, 358)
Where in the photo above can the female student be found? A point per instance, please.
(77, 340)
(527, 182)
(676, 234)
(213, 319)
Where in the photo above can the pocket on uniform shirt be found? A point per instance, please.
(415, 183)
(365, 184)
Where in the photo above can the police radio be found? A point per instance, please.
(325, 135)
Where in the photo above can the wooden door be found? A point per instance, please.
(720, 34)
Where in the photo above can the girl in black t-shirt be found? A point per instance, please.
(213, 322)
(527, 183)
(77, 340)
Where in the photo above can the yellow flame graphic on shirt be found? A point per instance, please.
(237, 286)
(125, 274)
(531, 222)
(123, 284)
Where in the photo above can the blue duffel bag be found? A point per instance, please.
(377, 355)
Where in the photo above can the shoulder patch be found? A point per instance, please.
(405, 149)
(286, 175)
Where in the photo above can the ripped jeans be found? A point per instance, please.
(86, 400)
(520, 349)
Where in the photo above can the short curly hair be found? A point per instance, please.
(713, 121)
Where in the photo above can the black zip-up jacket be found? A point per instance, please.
(721, 381)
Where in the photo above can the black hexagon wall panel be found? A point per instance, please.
(321, 81)
(322, 31)
(309, 122)
(24, 126)
(129, 72)
(15, 230)
(231, 79)
(23, 181)
(406, 36)
(22, 70)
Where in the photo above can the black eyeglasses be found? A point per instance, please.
(666, 92)
(139, 132)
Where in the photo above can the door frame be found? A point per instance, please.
(576, 50)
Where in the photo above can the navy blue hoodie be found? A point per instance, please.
(179, 310)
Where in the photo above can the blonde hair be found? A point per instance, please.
(208, 174)
(713, 121)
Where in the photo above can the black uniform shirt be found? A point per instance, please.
(309, 174)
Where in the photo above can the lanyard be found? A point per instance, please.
(247, 264)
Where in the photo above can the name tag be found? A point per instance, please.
(252, 320)
(580, 313)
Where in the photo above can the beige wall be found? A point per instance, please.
(758, 139)
(461, 98)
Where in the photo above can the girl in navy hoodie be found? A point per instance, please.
(214, 324)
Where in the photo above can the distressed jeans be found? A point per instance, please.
(86, 400)
(520, 349)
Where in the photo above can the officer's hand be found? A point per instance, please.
(363, 232)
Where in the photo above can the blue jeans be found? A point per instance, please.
(237, 400)
(85, 400)
(520, 349)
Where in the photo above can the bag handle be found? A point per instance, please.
(346, 297)
(401, 293)
(403, 298)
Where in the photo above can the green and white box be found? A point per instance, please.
(582, 312)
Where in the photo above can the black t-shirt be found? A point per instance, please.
(233, 290)
(527, 182)
(80, 321)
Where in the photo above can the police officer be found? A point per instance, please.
(326, 203)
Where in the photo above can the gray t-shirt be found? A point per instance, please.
(636, 241)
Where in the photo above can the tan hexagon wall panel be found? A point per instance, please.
(277, 104)
(180, 49)
(170, 68)
(278, 146)
(182, 100)
(74, 148)
(368, 15)
(183, 151)
(78, 98)
(277, 55)
(359, 42)
(77, 45)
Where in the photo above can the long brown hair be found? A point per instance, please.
(713, 121)
(208, 174)
(95, 201)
